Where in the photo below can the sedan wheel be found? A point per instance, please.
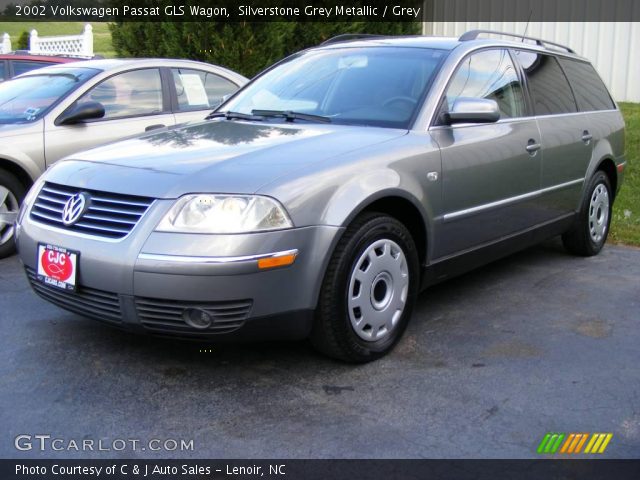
(11, 195)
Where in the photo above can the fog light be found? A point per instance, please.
(197, 318)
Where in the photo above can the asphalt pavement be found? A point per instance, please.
(492, 361)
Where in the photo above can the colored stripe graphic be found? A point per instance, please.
(551, 442)
(572, 443)
(598, 443)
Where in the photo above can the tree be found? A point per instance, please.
(245, 47)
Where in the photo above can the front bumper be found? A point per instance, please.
(149, 280)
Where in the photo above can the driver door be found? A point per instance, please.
(134, 102)
(489, 175)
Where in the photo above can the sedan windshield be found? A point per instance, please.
(380, 86)
(28, 98)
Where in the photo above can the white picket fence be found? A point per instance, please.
(74, 45)
(5, 46)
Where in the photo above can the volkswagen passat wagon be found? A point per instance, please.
(320, 199)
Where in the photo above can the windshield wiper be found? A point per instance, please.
(291, 116)
(233, 116)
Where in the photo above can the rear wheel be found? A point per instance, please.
(11, 195)
(368, 291)
(589, 234)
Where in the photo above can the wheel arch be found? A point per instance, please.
(403, 208)
(608, 166)
(19, 172)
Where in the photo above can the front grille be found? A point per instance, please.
(167, 315)
(98, 304)
(109, 215)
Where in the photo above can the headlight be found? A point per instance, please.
(224, 214)
(29, 198)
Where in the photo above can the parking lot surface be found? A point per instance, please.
(538, 342)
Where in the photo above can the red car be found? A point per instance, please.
(13, 64)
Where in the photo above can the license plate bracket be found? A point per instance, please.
(57, 266)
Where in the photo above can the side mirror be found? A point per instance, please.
(82, 111)
(472, 110)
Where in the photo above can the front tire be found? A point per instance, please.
(589, 234)
(11, 196)
(368, 292)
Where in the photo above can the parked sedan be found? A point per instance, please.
(52, 112)
(17, 63)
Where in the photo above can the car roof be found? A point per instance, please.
(442, 43)
(38, 58)
(118, 64)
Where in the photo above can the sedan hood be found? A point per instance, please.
(217, 156)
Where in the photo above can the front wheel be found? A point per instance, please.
(368, 292)
(11, 195)
(589, 234)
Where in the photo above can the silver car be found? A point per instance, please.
(320, 199)
(49, 113)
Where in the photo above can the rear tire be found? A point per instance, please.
(589, 234)
(12, 194)
(368, 292)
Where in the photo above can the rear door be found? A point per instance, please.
(488, 173)
(134, 101)
(565, 134)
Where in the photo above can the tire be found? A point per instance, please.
(12, 194)
(589, 234)
(355, 321)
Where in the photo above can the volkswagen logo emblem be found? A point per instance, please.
(74, 208)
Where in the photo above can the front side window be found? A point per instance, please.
(2, 71)
(591, 93)
(489, 74)
(549, 88)
(373, 86)
(198, 90)
(28, 98)
(134, 93)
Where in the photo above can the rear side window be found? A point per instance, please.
(2, 69)
(197, 90)
(549, 88)
(489, 74)
(591, 93)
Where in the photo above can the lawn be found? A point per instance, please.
(101, 34)
(625, 227)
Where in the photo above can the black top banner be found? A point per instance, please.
(321, 10)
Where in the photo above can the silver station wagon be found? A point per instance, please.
(320, 199)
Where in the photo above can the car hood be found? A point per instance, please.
(218, 156)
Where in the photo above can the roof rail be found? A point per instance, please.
(473, 34)
(347, 37)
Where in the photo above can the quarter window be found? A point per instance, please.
(591, 93)
(489, 74)
(134, 93)
(549, 88)
(198, 90)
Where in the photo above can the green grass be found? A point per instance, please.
(625, 225)
(101, 34)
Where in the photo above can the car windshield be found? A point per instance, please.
(379, 86)
(28, 98)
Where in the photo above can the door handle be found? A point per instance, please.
(532, 147)
(586, 137)
(154, 127)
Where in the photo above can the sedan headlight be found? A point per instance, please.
(224, 214)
